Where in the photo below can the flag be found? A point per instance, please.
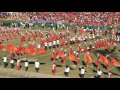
(61, 55)
(11, 48)
(1, 47)
(19, 50)
(55, 37)
(14, 49)
(72, 57)
(88, 58)
(104, 60)
(41, 51)
(115, 62)
(31, 50)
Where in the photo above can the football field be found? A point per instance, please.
(46, 63)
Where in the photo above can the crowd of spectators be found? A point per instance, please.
(78, 18)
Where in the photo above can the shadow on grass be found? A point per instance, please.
(31, 62)
(103, 52)
(72, 68)
(105, 73)
(115, 74)
(59, 65)
(94, 71)
(94, 65)
(118, 68)
(103, 65)
(42, 63)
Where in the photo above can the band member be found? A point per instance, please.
(73, 40)
(79, 39)
(99, 73)
(5, 61)
(109, 75)
(58, 43)
(82, 72)
(12, 56)
(115, 47)
(26, 65)
(18, 64)
(54, 44)
(67, 70)
(12, 63)
(79, 49)
(45, 45)
(37, 66)
(90, 46)
(50, 45)
(54, 69)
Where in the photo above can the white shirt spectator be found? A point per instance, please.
(37, 64)
(82, 71)
(67, 69)
(11, 61)
(26, 64)
(99, 72)
(4, 59)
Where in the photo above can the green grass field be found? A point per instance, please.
(46, 63)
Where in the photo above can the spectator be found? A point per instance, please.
(18, 64)
(82, 72)
(109, 74)
(5, 61)
(99, 73)
(12, 63)
(26, 65)
(67, 69)
(54, 69)
(37, 66)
